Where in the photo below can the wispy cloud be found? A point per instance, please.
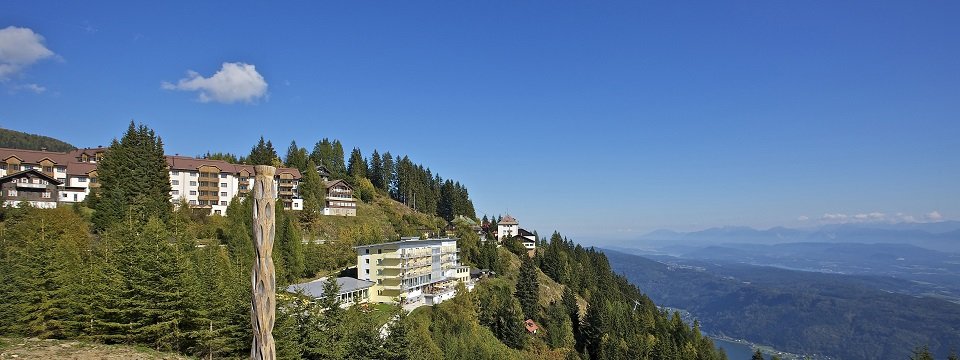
(234, 82)
(34, 88)
(872, 217)
(20, 48)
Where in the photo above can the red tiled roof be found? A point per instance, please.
(35, 156)
(508, 220)
(531, 326)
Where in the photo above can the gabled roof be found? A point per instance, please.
(323, 171)
(330, 183)
(192, 164)
(531, 326)
(508, 220)
(35, 156)
(35, 172)
(523, 232)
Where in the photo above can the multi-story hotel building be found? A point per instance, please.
(412, 270)
(204, 184)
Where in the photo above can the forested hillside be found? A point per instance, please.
(799, 312)
(127, 267)
(21, 140)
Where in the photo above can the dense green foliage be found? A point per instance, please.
(20, 140)
(620, 322)
(134, 182)
(798, 311)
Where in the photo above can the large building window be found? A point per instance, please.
(175, 182)
(223, 203)
(11, 193)
(193, 192)
(193, 183)
(223, 193)
(223, 184)
(45, 195)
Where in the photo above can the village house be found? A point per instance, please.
(30, 186)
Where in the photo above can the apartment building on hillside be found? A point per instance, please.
(412, 270)
(204, 184)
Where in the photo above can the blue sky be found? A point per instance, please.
(602, 120)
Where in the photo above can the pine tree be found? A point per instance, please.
(311, 189)
(357, 166)
(376, 170)
(134, 182)
(296, 157)
(528, 289)
(289, 245)
(396, 345)
(388, 172)
(757, 355)
(263, 154)
(919, 353)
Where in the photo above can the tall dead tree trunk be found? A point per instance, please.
(263, 278)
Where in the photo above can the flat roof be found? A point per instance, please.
(410, 241)
(315, 288)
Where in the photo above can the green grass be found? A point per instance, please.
(381, 313)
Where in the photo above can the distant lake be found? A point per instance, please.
(734, 350)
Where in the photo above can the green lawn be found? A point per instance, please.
(381, 313)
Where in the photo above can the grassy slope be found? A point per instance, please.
(18, 348)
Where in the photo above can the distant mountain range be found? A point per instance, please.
(940, 236)
(814, 313)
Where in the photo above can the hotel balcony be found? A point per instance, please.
(31, 185)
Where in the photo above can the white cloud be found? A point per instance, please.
(834, 217)
(803, 218)
(34, 88)
(234, 82)
(875, 217)
(20, 48)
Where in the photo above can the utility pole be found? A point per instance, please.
(263, 282)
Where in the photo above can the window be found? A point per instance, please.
(193, 202)
(45, 195)
(223, 184)
(367, 260)
(193, 183)
(379, 272)
(193, 192)
(367, 251)
(61, 169)
(223, 176)
(193, 174)
(48, 169)
(224, 203)
(11, 193)
(379, 261)
(175, 182)
(367, 271)
(64, 195)
(223, 193)
(82, 179)
(175, 192)
(216, 212)
(174, 173)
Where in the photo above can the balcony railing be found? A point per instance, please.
(31, 185)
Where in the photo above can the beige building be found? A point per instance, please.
(412, 270)
(204, 184)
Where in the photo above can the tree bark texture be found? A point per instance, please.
(263, 277)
